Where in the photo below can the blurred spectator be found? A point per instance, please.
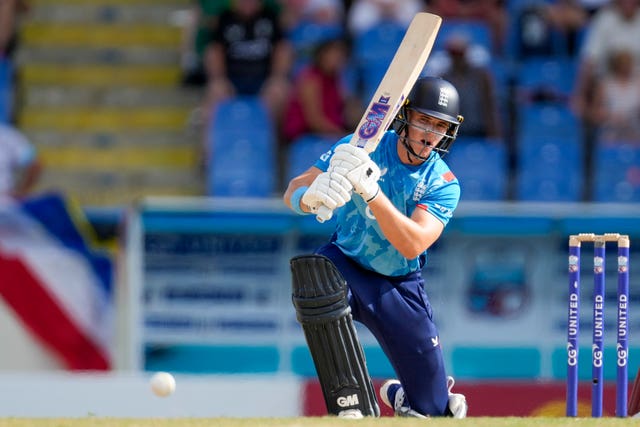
(248, 55)
(478, 99)
(308, 22)
(549, 28)
(568, 18)
(492, 12)
(592, 6)
(613, 27)
(364, 14)
(319, 102)
(327, 12)
(10, 11)
(19, 166)
(616, 101)
(199, 23)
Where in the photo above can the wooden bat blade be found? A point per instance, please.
(402, 73)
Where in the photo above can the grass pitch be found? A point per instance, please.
(317, 422)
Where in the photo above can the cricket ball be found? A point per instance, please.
(162, 384)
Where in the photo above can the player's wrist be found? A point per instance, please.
(296, 200)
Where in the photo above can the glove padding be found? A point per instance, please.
(355, 164)
(329, 189)
(348, 157)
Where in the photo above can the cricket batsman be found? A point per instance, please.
(390, 206)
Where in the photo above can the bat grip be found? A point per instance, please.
(323, 214)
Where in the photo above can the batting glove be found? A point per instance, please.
(355, 164)
(328, 189)
(348, 157)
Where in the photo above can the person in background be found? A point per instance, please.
(491, 12)
(319, 103)
(20, 168)
(568, 17)
(616, 102)
(10, 11)
(248, 55)
(479, 104)
(364, 14)
(199, 22)
(613, 27)
(308, 22)
(321, 12)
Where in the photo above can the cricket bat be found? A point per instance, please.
(401, 75)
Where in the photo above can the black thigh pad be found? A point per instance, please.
(320, 299)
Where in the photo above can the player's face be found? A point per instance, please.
(425, 132)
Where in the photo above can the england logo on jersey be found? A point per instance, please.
(419, 191)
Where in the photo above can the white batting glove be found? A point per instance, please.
(365, 180)
(348, 157)
(355, 164)
(328, 189)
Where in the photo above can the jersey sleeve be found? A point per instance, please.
(443, 197)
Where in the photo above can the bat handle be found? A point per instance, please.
(323, 214)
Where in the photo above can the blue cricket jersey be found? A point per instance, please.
(431, 186)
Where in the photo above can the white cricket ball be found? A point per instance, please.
(162, 384)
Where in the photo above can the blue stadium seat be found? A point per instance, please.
(371, 76)
(481, 167)
(476, 31)
(6, 90)
(542, 119)
(372, 53)
(555, 75)
(241, 112)
(304, 151)
(617, 173)
(378, 43)
(241, 147)
(549, 152)
(549, 168)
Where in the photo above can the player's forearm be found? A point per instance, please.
(408, 237)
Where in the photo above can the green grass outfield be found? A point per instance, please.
(315, 422)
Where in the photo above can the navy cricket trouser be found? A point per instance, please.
(397, 312)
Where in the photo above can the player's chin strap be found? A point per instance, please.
(319, 294)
